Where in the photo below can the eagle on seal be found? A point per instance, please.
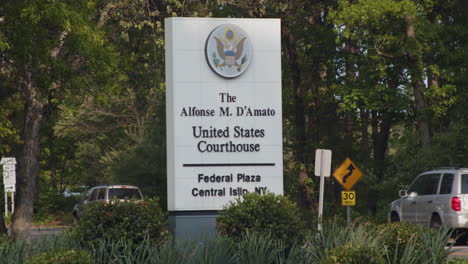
(231, 53)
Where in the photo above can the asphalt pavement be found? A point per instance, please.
(459, 252)
(45, 232)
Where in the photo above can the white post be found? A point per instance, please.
(322, 169)
(320, 213)
(6, 204)
(12, 203)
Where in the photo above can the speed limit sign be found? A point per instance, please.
(348, 198)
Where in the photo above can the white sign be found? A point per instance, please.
(322, 162)
(7, 161)
(9, 177)
(224, 116)
(10, 188)
(9, 174)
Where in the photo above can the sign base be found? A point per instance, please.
(192, 225)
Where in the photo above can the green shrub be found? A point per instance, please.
(396, 236)
(354, 254)
(63, 257)
(12, 251)
(51, 204)
(339, 235)
(458, 261)
(270, 213)
(123, 221)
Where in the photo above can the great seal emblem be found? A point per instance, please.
(228, 51)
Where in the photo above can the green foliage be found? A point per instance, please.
(409, 243)
(63, 257)
(363, 237)
(9, 137)
(335, 244)
(50, 203)
(396, 236)
(274, 214)
(408, 160)
(354, 254)
(396, 243)
(458, 261)
(132, 221)
(251, 248)
(11, 251)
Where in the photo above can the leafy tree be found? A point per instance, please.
(50, 47)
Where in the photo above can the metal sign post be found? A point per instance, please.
(348, 199)
(6, 204)
(348, 215)
(322, 169)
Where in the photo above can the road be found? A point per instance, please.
(45, 232)
(38, 232)
(459, 252)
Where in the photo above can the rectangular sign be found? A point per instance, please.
(9, 167)
(322, 162)
(223, 110)
(10, 188)
(9, 177)
(348, 198)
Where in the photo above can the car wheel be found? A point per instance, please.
(394, 218)
(436, 223)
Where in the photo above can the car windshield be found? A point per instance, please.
(464, 183)
(124, 193)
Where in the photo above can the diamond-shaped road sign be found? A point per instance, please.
(347, 174)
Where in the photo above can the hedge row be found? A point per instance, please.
(258, 229)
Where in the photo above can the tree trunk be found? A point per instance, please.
(3, 229)
(299, 111)
(464, 4)
(365, 134)
(381, 145)
(415, 69)
(351, 76)
(28, 165)
(306, 201)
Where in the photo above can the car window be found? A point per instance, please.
(464, 183)
(416, 186)
(124, 193)
(425, 184)
(92, 194)
(431, 183)
(446, 184)
(102, 194)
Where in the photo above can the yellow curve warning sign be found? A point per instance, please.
(347, 174)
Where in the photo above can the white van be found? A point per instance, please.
(435, 198)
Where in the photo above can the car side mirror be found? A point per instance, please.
(403, 193)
